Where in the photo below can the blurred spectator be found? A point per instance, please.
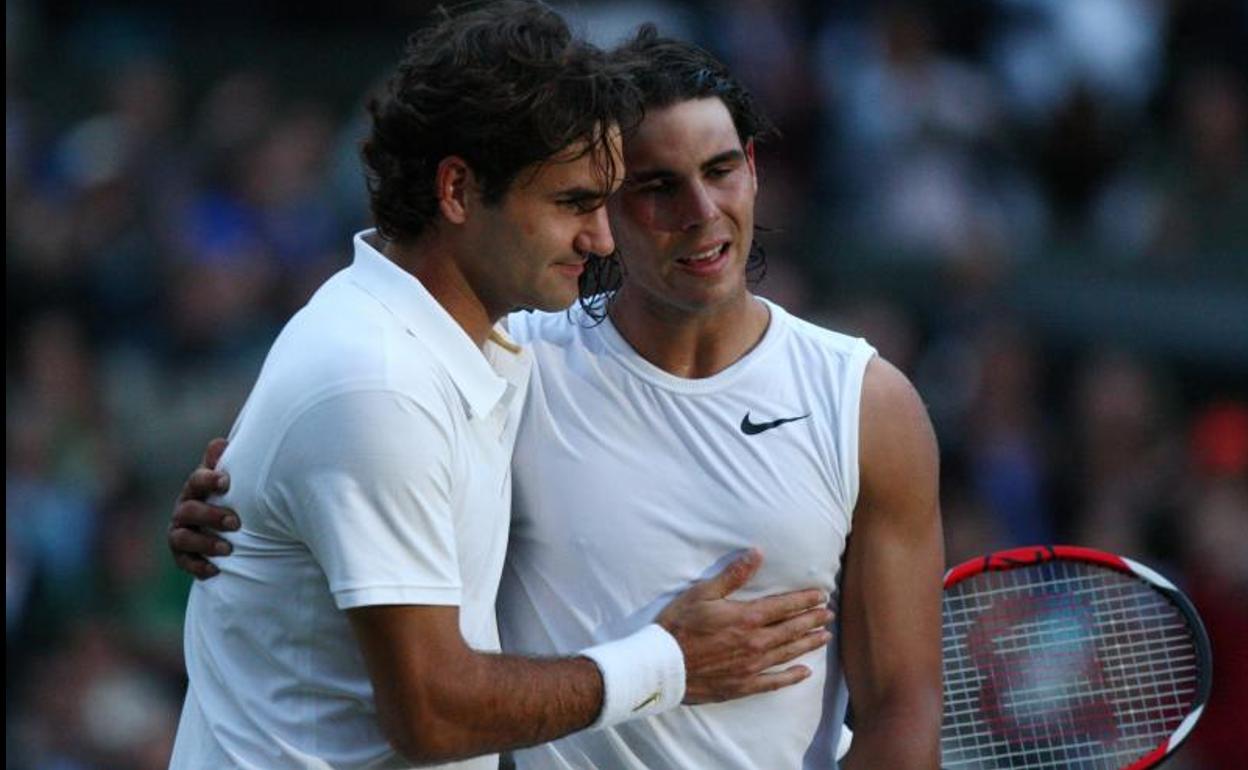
(1126, 458)
(1212, 525)
(97, 705)
(1007, 451)
(891, 330)
(1109, 49)
(1204, 211)
(57, 461)
(1219, 443)
(908, 120)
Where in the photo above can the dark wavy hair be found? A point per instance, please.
(504, 86)
(667, 71)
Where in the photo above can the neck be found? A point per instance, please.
(434, 265)
(690, 344)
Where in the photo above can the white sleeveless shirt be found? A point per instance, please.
(631, 483)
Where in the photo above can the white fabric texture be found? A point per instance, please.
(633, 691)
(369, 466)
(631, 483)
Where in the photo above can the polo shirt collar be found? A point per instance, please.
(411, 303)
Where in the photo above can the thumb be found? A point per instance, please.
(732, 577)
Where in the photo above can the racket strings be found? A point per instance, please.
(1061, 664)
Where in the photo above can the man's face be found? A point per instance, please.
(684, 219)
(529, 249)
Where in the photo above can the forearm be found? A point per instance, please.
(438, 700)
(450, 702)
(499, 702)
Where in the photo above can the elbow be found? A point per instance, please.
(925, 713)
(420, 747)
(899, 732)
(920, 751)
(921, 713)
(422, 740)
(425, 702)
(424, 729)
(899, 750)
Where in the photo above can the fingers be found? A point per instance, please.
(784, 653)
(213, 452)
(191, 546)
(793, 627)
(772, 680)
(772, 609)
(776, 644)
(206, 480)
(716, 690)
(194, 513)
(198, 566)
(190, 542)
(730, 578)
(203, 483)
(190, 536)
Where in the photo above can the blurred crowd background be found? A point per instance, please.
(1037, 209)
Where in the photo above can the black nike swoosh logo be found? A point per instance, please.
(752, 428)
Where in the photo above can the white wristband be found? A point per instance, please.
(642, 675)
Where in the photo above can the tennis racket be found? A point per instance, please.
(1067, 657)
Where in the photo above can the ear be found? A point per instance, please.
(749, 161)
(455, 187)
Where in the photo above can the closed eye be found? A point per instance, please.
(660, 187)
(656, 185)
(582, 204)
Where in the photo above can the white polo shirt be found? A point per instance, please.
(370, 465)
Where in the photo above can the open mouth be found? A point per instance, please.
(705, 262)
(709, 255)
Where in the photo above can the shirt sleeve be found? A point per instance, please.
(364, 479)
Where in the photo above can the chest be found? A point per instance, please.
(481, 483)
(647, 490)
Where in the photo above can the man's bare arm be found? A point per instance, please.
(450, 702)
(890, 606)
